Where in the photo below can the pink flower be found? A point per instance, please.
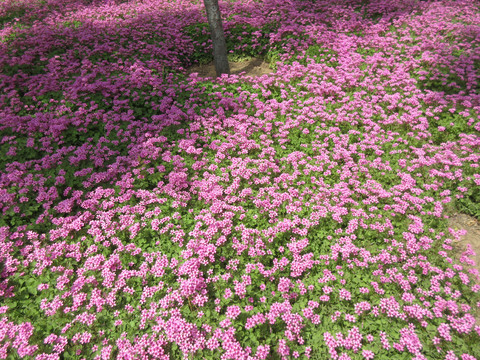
(284, 285)
(367, 354)
(233, 312)
(345, 294)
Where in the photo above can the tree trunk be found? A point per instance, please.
(218, 38)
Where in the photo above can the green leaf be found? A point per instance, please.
(12, 305)
(32, 289)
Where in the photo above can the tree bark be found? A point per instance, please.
(220, 58)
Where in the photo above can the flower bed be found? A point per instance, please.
(147, 214)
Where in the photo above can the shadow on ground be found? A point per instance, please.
(253, 67)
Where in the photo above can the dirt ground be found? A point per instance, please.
(253, 67)
(462, 221)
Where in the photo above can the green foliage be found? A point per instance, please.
(470, 203)
(14, 35)
(11, 14)
(200, 35)
(441, 79)
(243, 41)
(26, 304)
(28, 69)
(366, 51)
(321, 55)
(447, 128)
(75, 24)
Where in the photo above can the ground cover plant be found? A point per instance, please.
(151, 214)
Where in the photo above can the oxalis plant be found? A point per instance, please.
(150, 213)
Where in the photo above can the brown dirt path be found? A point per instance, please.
(472, 237)
(253, 67)
(472, 226)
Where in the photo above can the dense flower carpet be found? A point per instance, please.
(149, 213)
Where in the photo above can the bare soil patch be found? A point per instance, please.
(472, 237)
(472, 226)
(253, 67)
